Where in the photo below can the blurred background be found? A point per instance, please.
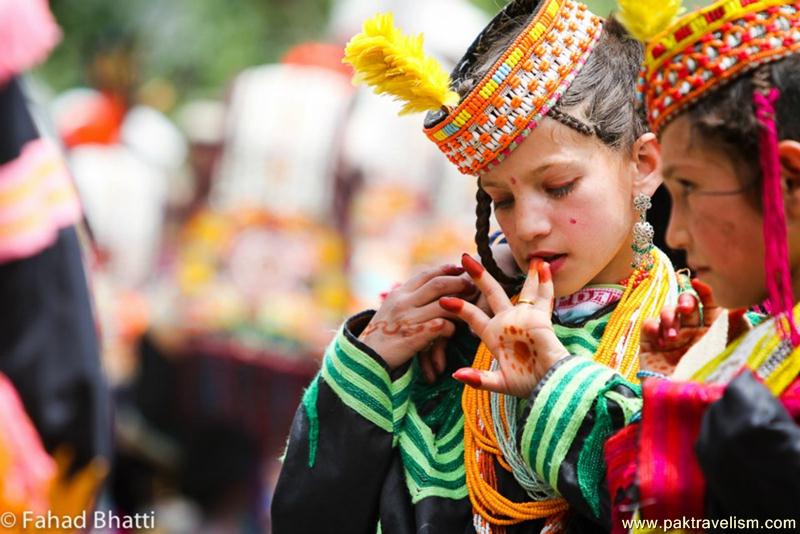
(240, 198)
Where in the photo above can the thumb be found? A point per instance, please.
(484, 380)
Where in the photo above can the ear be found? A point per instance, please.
(790, 169)
(646, 158)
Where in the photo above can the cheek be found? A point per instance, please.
(594, 220)
(731, 245)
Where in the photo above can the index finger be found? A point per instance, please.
(491, 288)
(420, 279)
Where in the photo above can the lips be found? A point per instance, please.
(698, 270)
(555, 259)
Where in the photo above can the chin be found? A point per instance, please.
(564, 286)
(734, 296)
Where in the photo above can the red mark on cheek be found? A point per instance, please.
(572, 221)
(544, 272)
(474, 268)
(521, 352)
(513, 180)
(451, 304)
(469, 376)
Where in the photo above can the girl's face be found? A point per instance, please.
(568, 199)
(712, 218)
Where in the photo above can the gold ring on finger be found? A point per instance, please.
(527, 301)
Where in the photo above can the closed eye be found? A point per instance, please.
(562, 190)
(502, 203)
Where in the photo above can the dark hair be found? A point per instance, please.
(720, 120)
(600, 101)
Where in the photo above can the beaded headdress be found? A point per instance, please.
(522, 86)
(706, 48)
(688, 58)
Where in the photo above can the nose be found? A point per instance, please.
(531, 221)
(677, 232)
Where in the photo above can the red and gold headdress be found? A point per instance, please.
(688, 58)
(521, 87)
(702, 50)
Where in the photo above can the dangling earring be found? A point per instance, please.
(642, 234)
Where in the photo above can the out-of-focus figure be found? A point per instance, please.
(54, 412)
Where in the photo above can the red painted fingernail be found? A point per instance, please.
(469, 376)
(451, 304)
(544, 272)
(452, 270)
(686, 303)
(474, 268)
(672, 333)
(534, 265)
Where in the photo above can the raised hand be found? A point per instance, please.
(520, 336)
(409, 319)
(666, 339)
(432, 361)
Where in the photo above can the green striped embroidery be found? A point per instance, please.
(591, 464)
(434, 465)
(310, 407)
(544, 402)
(570, 421)
(582, 340)
(401, 391)
(359, 381)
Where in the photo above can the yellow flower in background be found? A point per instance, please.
(396, 64)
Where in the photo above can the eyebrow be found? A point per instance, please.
(541, 169)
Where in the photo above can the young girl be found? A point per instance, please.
(546, 118)
(722, 88)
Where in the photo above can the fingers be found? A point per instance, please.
(439, 286)
(704, 292)
(538, 287)
(467, 312)
(688, 309)
(530, 289)
(546, 289)
(485, 380)
(492, 290)
(438, 328)
(433, 359)
(687, 303)
(650, 334)
(417, 281)
(438, 355)
(668, 326)
(426, 366)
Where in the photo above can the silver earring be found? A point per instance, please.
(642, 234)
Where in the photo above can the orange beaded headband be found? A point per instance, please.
(519, 89)
(705, 49)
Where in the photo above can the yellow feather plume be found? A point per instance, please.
(396, 64)
(644, 19)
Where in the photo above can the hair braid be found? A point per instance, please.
(762, 79)
(483, 211)
(572, 122)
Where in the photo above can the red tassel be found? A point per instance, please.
(776, 257)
